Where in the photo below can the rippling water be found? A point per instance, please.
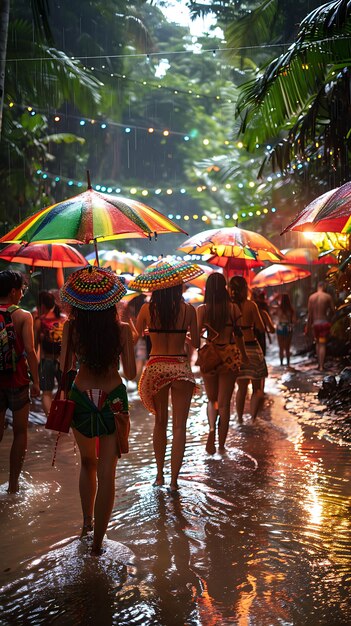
(260, 535)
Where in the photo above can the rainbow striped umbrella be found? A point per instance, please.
(91, 217)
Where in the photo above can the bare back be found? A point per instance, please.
(170, 342)
(320, 307)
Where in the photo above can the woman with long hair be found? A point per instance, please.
(96, 337)
(286, 319)
(221, 319)
(48, 328)
(167, 319)
(256, 370)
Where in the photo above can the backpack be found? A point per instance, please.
(52, 330)
(8, 355)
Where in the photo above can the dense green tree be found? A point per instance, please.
(300, 102)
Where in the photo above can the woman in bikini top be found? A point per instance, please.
(95, 334)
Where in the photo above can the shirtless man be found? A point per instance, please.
(14, 387)
(320, 311)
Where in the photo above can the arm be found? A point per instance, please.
(142, 320)
(309, 316)
(37, 328)
(28, 342)
(64, 347)
(257, 319)
(127, 353)
(267, 320)
(194, 329)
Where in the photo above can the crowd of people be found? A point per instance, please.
(156, 344)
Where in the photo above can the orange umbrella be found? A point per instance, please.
(278, 274)
(307, 256)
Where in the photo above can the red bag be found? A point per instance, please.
(61, 410)
(60, 415)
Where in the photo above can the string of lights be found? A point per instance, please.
(165, 191)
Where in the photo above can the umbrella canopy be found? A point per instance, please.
(57, 255)
(165, 273)
(119, 262)
(330, 212)
(234, 243)
(307, 256)
(278, 274)
(89, 217)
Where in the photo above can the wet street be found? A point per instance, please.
(259, 536)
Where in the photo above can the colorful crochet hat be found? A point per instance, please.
(163, 274)
(92, 289)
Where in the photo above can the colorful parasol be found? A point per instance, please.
(91, 217)
(234, 243)
(278, 274)
(165, 273)
(56, 255)
(330, 212)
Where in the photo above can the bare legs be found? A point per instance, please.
(181, 394)
(256, 398)
(219, 390)
(284, 342)
(46, 401)
(97, 484)
(321, 349)
(19, 444)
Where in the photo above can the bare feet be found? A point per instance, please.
(159, 481)
(87, 526)
(95, 551)
(210, 444)
(173, 491)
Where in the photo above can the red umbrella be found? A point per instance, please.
(330, 212)
(57, 255)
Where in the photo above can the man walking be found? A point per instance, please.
(320, 311)
(14, 379)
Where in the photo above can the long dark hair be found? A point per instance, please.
(285, 304)
(47, 299)
(217, 301)
(96, 337)
(238, 288)
(165, 307)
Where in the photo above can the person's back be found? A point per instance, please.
(101, 413)
(320, 306)
(320, 311)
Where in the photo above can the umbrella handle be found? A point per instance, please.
(96, 252)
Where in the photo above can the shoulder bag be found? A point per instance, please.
(209, 357)
(62, 409)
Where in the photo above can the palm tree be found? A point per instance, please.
(300, 102)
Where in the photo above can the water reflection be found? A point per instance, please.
(259, 535)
